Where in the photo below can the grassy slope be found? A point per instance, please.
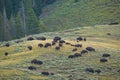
(14, 66)
(68, 14)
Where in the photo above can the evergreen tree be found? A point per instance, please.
(32, 22)
(19, 26)
(1, 27)
(13, 27)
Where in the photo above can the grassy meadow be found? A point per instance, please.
(15, 65)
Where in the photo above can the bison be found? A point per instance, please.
(91, 70)
(113, 23)
(79, 39)
(32, 68)
(7, 44)
(41, 38)
(78, 45)
(57, 48)
(84, 51)
(40, 45)
(30, 38)
(35, 61)
(61, 41)
(77, 55)
(90, 49)
(98, 71)
(57, 38)
(45, 73)
(71, 56)
(47, 45)
(29, 47)
(106, 55)
(75, 49)
(6, 53)
(103, 60)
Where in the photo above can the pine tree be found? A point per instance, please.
(1, 27)
(32, 22)
(19, 26)
(7, 35)
(12, 27)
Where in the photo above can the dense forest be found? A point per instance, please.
(26, 17)
(21, 17)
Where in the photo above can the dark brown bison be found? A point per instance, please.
(35, 61)
(18, 41)
(90, 49)
(45, 73)
(40, 45)
(78, 45)
(41, 38)
(53, 43)
(32, 68)
(75, 49)
(67, 43)
(30, 38)
(113, 23)
(103, 60)
(29, 47)
(91, 70)
(106, 55)
(57, 48)
(6, 53)
(77, 55)
(57, 38)
(79, 39)
(84, 51)
(98, 71)
(7, 44)
(84, 39)
(47, 45)
(60, 44)
(61, 41)
(71, 56)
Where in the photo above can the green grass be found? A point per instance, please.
(64, 14)
(14, 66)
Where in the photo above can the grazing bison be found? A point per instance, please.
(57, 48)
(53, 43)
(32, 68)
(75, 49)
(77, 55)
(35, 61)
(6, 53)
(47, 45)
(18, 41)
(45, 73)
(61, 41)
(67, 43)
(90, 49)
(41, 38)
(113, 23)
(60, 44)
(79, 39)
(103, 60)
(78, 45)
(40, 45)
(7, 44)
(30, 38)
(57, 38)
(84, 39)
(84, 51)
(109, 34)
(106, 55)
(98, 71)
(29, 47)
(71, 56)
(91, 70)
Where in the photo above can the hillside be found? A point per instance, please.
(105, 39)
(64, 14)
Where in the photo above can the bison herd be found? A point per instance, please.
(58, 40)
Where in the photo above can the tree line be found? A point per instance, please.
(21, 17)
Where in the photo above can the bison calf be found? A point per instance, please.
(29, 47)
